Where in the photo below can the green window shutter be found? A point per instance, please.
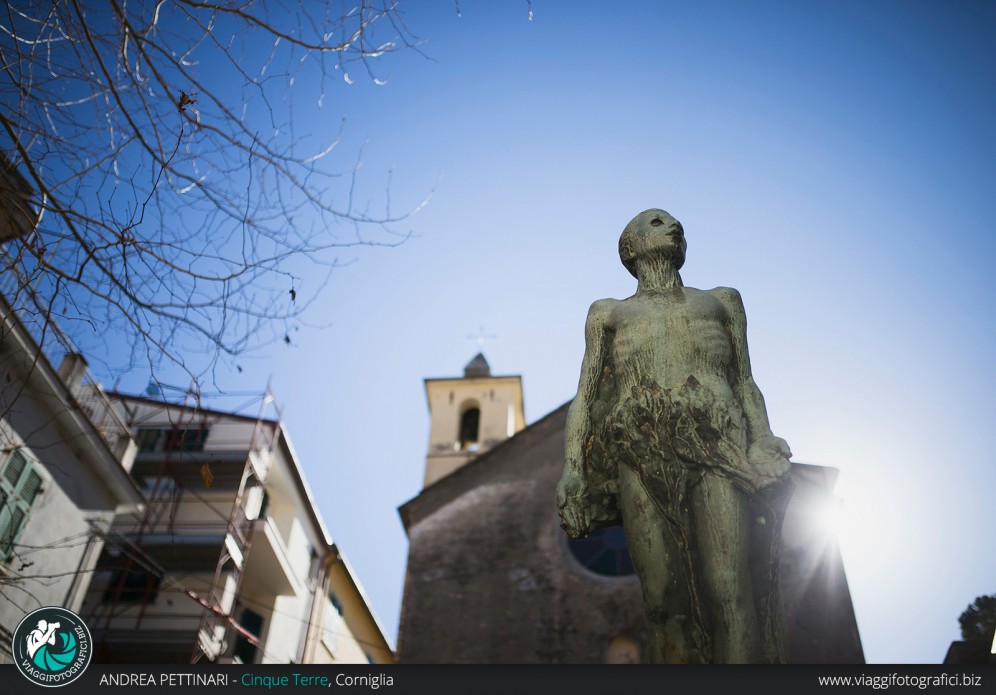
(11, 532)
(15, 466)
(30, 487)
(6, 516)
(20, 485)
(10, 472)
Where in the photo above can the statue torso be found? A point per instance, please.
(669, 336)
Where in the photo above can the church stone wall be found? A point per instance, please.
(490, 578)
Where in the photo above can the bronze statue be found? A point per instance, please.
(668, 434)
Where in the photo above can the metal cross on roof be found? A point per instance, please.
(481, 337)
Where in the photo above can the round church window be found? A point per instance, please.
(604, 552)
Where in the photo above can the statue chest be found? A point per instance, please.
(684, 319)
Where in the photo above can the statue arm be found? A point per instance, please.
(575, 512)
(768, 454)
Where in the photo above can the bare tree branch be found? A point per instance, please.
(171, 199)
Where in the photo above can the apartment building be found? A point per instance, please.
(230, 561)
(64, 465)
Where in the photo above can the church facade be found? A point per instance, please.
(492, 578)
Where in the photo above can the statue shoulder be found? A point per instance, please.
(730, 298)
(601, 309)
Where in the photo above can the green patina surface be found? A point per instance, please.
(669, 436)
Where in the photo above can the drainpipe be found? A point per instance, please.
(82, 568)
(314, 627)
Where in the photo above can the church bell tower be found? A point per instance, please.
(469, 415)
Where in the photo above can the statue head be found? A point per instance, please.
(652, 232)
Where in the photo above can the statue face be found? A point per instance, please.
(652, 232)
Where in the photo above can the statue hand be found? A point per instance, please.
(575, 517)
(769, 457)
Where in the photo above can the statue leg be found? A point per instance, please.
(655, 557)
(722, 535)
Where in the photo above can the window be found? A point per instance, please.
(187, 440)
(135, 587)
(252, 622)
(314, 567)
(604, 552)
(20, 485)
(333, 623)
(157, 439)
(148, 439)
(470, 423)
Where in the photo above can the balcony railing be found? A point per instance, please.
(85, 391)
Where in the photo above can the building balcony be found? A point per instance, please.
(268, 566)
(224, 468)
(82, 390)
(256, 548)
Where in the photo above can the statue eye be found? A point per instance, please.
(656, 222)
